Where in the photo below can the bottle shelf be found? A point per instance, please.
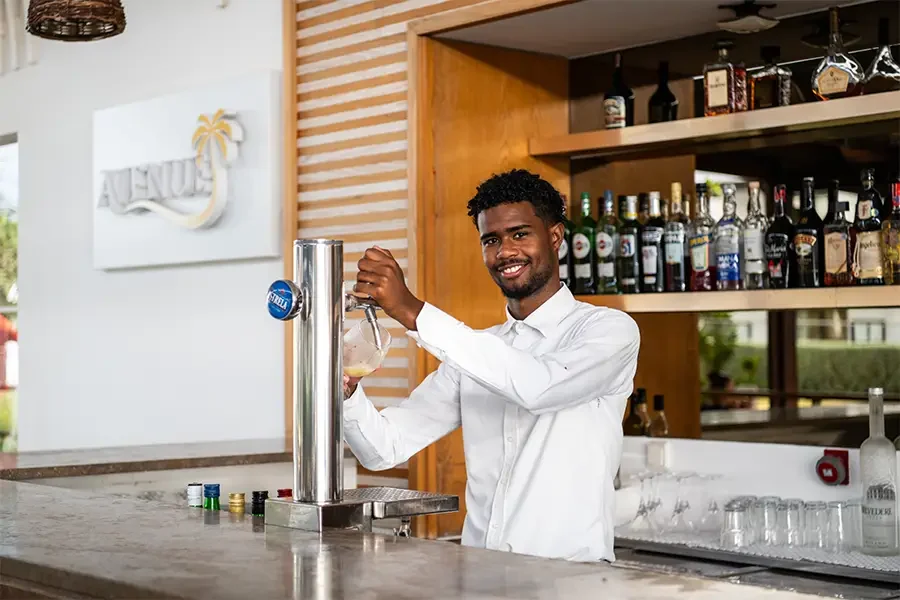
(782, 125)
(733, 301)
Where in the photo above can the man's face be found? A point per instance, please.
(519, 248)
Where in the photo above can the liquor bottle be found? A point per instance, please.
(659, 425)
(838, 257)
(878, 466)
(727, 239)
(618, 102)
(809, 257)
(605, 246)
(868, 257)
(195, 495)
(741, 87)
(675, 242)
(663, 105)
(643, 208)
(628, 268)
(869, 193)
(211, 496)
(566, 266)
(883, 75)
(703, 270)
(582, 249)
(772, 85)
(754, 242)
(718, 83)
(890, 238)
(838, 75)
(638, 421)
(778, 244)
(652, 251)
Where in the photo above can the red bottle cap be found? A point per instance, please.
(285, 493)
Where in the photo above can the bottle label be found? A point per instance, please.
(727, 254)
(614, 112)
(674, 242)
(717, 88)
(836, 252)
(604, 245)
(583, 271)
(891, 238)
(776, 254)
(803, 245)
(650, 254)
(627, 245)
(864, 209)
(606, 270)
(580, 245)
(563, 272)
(867, 256)
(879, 519)
(562, 253)
(700, 253)
(754, 254)
(833, 81)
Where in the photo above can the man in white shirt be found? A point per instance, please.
(540, 398)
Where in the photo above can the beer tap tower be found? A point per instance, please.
(316, 302)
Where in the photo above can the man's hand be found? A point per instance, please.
(382, 278)
(350, 384)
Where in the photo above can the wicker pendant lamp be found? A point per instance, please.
(75, 20)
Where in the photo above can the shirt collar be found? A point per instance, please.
(547, 316)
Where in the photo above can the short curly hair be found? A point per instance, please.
(519, 185)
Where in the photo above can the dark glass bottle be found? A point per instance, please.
(652, 253)
(675, 243)
(628, 269)
(838, 258)
(618, 101)
(582, 249)
(809, 252)
(890, 239)
(643, 208)
(879, 206)
(663, 105)
(703, 268)
(638, 420)
(770, 86)
(605, 245)
(868, 257)
(778, 244)
(659, 425)
(566, 266)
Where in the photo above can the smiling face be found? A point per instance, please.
(519, 249)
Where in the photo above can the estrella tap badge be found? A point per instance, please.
(146, 187)
(281, 299)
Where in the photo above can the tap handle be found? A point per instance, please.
(284, 300)
(368, 306)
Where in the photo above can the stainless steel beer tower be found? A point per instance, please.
(316, 302)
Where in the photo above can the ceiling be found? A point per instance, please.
(597, 26)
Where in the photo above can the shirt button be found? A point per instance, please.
(509, 439)
(494, 526)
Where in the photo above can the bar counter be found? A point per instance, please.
(73, 542)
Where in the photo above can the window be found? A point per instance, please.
(9, 294)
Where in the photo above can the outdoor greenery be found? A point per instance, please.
(9, 255)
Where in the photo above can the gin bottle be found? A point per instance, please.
(703, 266)
(878, 465)
(754, 239)
(727, 241)
(605, 242)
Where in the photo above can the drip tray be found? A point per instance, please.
(358, 509)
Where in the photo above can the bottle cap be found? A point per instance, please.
(285, 493)
(753, 185)
(195, 494)
(260, 495)
(236, 497)
(658, 402)
(211, 490)
(641, 395)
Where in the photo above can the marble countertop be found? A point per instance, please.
(803, 415)
(104, 461)
(103, 546)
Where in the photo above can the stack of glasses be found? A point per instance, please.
(791, 522)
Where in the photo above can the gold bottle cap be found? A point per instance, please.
(236, 496)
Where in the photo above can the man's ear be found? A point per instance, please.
(557, 233)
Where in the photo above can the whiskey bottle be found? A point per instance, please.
(808, 247)
(890, 238)
(582, 249)
(838, 75)
(703, 269)
(868, 258)
(772, 85)
(838, 258)
(663, 105)
(727, 236)
(659, 425)
(628, 268)
(605, 245)
(883, 75)
(675, 242)
(878, 466)
(754, 242)
(618, 101)
(638, 421)
(778, 243)
(652, 252)
(566, 268)
(719, 83)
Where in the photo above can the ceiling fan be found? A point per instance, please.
(746, 17)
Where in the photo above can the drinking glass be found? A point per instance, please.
(642, 520)
(361, 354)
(852, 520)
(837, 527)
(787, 524)
(680, 521)
(764, 517)
(800, 505)
(736, 529)
(710, 516)
(816, 524)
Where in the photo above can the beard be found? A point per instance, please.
(520, 290)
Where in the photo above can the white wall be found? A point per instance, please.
(164, 355)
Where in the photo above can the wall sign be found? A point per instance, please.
(187, 178)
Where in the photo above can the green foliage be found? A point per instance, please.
(7, 411)
(9, 255)
(718, 341)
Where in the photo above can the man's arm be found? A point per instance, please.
(601, 361)
(381, 440)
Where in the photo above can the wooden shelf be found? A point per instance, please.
(795, 299)
(752, 129)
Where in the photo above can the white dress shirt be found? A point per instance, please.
(540, 402)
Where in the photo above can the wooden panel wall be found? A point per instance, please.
(477, 107)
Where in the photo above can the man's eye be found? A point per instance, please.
(489, 241)
(520, 234)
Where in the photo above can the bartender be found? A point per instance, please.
(540, 397)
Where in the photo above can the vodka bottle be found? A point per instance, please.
(754, 233)
(727, 242)
(878, 464)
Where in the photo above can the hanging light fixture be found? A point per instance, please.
(75, 20)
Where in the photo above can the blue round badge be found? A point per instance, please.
(283, 299)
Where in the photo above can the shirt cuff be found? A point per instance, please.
(434, 327)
